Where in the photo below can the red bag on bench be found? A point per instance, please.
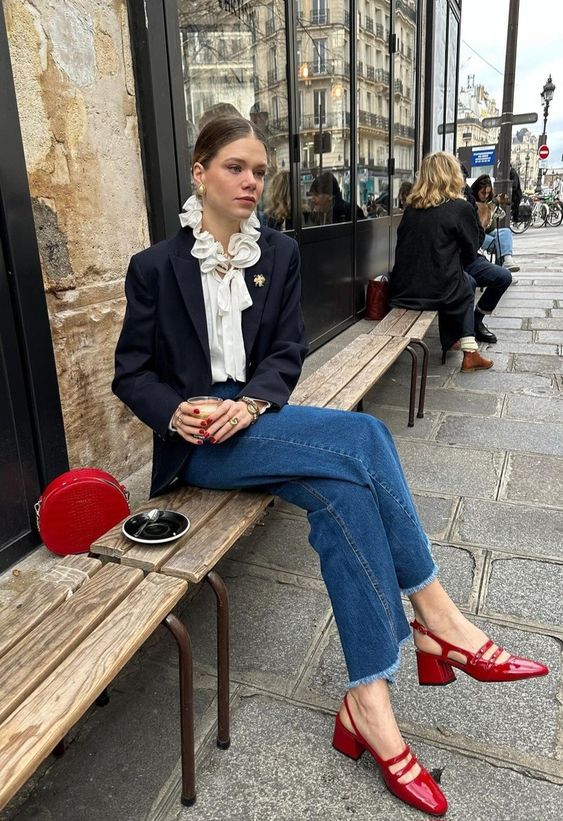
(79, 506)
(377, 301)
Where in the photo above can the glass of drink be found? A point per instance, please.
(206, 405)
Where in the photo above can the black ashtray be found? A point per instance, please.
(166, 526)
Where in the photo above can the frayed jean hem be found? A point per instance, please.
(388, 674)
(417, 588)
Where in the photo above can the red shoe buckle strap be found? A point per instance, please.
(404, 770)
(494, 656)
(395, 760)
(480, 652)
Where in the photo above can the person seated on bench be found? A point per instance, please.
(437, 236)
(216, 310)
(498, 239)
(494, 279)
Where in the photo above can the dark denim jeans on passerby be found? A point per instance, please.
(343, 469)
(494, 278)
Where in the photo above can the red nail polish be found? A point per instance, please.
(202, 430)
(212, 440)
(199, 442)
(209, 422)
(196, 410)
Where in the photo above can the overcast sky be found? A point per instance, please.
(539, 53)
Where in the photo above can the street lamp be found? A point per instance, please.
(527, 158)
(547, 97)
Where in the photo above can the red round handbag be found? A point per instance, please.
(79, 506)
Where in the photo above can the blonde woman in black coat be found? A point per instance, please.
(439, 235)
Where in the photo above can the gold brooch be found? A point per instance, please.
(259, 280)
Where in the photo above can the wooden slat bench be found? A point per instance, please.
(344, 380)
(411, 325)
(63, 643)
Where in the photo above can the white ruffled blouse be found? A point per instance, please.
(224, 289)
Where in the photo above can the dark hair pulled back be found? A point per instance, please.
(220, 132)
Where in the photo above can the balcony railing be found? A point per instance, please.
(404, 130)
(319, 68)
(407, 9)
(320, 18)
(347, 18)
(270, 27)
(369, 24)
(379, 29)
(322, 67)
(332, 119)
(381, 76)
(371, 73)
(374, 120)
(398, 86)
(360, 68)
(272, 76)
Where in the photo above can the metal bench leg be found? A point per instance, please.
(423, 376)
(60, 748)
(223, 627)
(414, 372)
(360, 406)
(185, 665)
(103, 698)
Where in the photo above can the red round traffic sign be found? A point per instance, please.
(543, 152)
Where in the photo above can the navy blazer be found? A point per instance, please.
(162, 354)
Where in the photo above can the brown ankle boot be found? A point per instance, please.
(473, 361)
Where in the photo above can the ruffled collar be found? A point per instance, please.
(243, 250)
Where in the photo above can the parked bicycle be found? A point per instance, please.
(540, 211)
(554, 213)
(523, 218)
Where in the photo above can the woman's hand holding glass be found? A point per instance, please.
(196, 422)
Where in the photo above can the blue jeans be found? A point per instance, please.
(501, 239)
(343, 469)
(494, 278)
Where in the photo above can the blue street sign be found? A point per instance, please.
(485, 155)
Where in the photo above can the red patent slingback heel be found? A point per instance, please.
(422, 792)
(437, 669)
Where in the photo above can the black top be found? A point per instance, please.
(433, 245)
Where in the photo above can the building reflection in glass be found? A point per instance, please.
(234, 58)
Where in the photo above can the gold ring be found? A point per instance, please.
(233, 421)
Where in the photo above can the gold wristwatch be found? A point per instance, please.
(253, 408)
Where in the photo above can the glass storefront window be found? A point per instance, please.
(234, 60)
(451, 94)
(323, 81)
(404, 89)
(439, 68)
(374, 101)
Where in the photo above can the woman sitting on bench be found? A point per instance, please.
(216, 310)
(437, 237)
(496, 239)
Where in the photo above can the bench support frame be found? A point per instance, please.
(185, 665)
(223, 642)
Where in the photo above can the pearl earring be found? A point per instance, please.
(200, 190)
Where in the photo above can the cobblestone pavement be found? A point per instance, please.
(485, 469)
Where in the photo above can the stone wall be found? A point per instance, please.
(72, 69)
